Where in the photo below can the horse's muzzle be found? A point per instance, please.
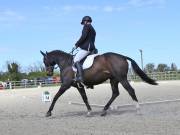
(49, 73)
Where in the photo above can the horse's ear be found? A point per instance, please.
(43, 53)
(46, 52)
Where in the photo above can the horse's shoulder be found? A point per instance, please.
(69, 68)
(67, 71)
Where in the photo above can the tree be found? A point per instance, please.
(3, 76)
(149, 68)
(162, 68)
(13, 67)
(37, 70)
(173, 67)
(36, 67)
(35, 75)
(13, 71)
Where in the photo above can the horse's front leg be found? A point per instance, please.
(85, 99)
(62, 89)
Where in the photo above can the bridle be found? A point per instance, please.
(52, 67)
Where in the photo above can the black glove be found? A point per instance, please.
(76, 45)
(74, 48)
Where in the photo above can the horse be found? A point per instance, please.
(112, 66)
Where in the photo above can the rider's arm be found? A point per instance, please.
(83, 36)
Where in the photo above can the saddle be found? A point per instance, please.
(87, 61)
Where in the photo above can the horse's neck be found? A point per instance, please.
(64, 62)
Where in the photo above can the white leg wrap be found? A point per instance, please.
(137, 105)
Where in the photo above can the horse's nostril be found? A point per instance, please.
(49, 73)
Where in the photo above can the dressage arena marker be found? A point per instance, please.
(46, 97)
(115, 107)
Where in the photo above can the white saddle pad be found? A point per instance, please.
(87, 63)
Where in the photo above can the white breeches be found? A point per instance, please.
(80, 55)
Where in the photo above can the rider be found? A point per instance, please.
(85, 44)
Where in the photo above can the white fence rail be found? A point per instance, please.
(43, 83)
(29, 84)
(157, 76)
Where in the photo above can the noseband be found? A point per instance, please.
(52, 67)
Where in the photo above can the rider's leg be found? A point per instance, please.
(79, 56)
(79, 76)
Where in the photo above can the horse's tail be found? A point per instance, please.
(138, 71)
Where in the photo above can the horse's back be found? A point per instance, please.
(111, 54)
(111, 57)
(113, 62)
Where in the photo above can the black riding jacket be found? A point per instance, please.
(87, 38)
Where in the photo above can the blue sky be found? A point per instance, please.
(122, 26)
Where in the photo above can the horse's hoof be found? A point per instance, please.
(88, 114)
(104, 113)
(138, 111)
(48, 114)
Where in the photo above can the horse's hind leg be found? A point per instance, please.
(115, 93)
(131, 91)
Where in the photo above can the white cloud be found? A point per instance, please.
(135, 3)
(114, 9)
(145, 3)
(46, 8)
(4, 49)
(79, 8)
(108, 8)
(9, 15)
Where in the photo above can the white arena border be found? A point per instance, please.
(126, 105)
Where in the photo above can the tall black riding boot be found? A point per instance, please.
(79, 76)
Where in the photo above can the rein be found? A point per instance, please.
(53, 67)
(71, 53)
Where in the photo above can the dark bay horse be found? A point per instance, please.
(106, 66)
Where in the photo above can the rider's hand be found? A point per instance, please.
(74, 48)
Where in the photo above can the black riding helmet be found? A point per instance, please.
(86, 18)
